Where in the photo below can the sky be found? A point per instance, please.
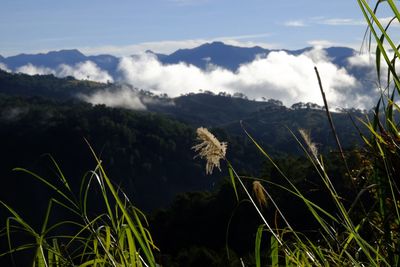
(125, 27)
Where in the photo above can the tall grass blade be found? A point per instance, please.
(257, 251)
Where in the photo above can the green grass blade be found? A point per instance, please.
(257, 251)
(233, 183)
(274, 252)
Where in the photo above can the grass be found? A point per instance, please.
(115, 236)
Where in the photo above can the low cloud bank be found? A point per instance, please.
(366, 63)
(279, 75)
(82, 71)
(85, 70)
(35, 70)
(4, 67)
(123, 97)
(126, 96)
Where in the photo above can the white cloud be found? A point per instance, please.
(124, 97)
(343, 22)
(356, 22)
(84, 71)
(295, 23)
(34, 70)
(366, 62)
(320, 43)
(4, 67)
(340, 22)
(361, 60)
(386, 20)
(280, 76)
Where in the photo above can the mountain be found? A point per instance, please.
(46, 86)
(149, 154)
(231, 57)
(207, 109)
(158, 55)
(339, 55)
(42, 110)
(215, 53)
(54, 58)
(106, 62)
(266, 119)
(50, 60)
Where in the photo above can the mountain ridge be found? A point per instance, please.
(216, 53)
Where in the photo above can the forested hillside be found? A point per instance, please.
(148, 154)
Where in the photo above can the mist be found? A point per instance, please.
(278, 75)
(87, 70)
(4, 67)
(123, 97)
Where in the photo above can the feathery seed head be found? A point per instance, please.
(259, 193)
(210, 149)
(312, 147)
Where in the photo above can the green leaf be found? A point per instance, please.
(257, 252)
(274, 252)
(233, 182)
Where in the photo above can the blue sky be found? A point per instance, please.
(125, 27)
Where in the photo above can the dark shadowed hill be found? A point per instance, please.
(47, 86)
(207, 109)
(268, 120)
(149, 152)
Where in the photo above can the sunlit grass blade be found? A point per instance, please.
(274, 252)
(232, 177)
(257, 247)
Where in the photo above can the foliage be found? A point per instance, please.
(384, 145)
(45, 85)
(204, 110)
(115, 235)
(147, 153)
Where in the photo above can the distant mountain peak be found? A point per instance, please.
(216, 43)
(215, 53)
(53, 59)
(66, 51)
(221, 54)
(221, 44)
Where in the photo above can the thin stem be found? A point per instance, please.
(255, 205)
(328, 113)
